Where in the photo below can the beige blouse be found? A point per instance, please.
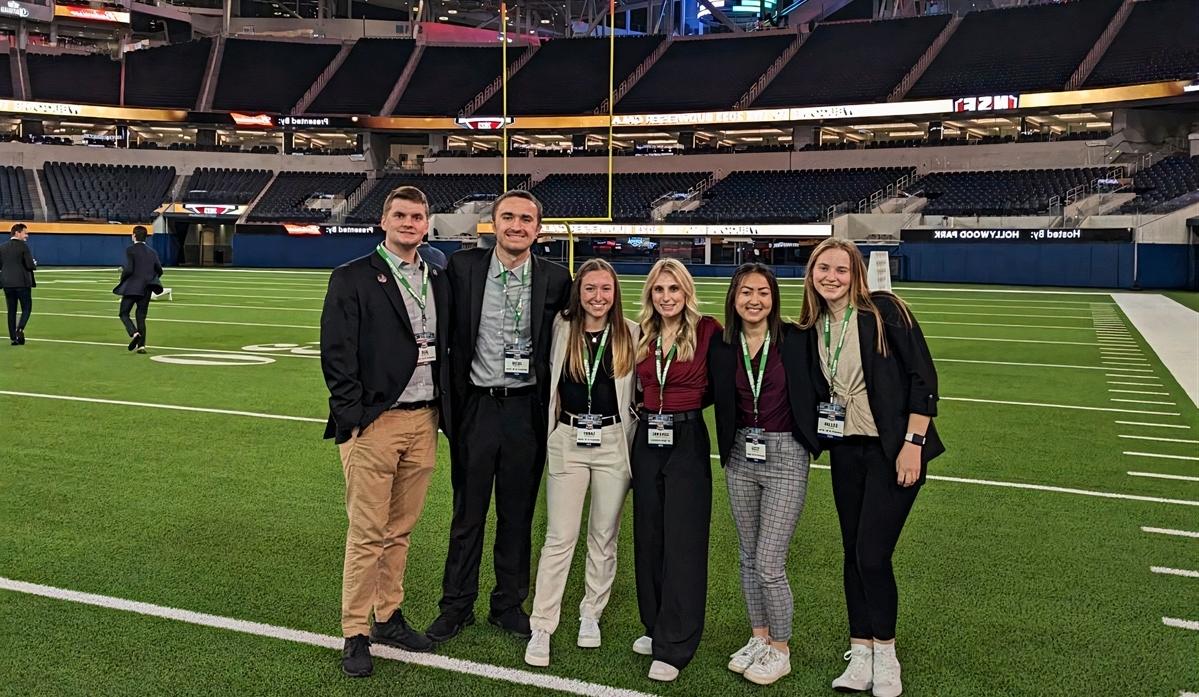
(850, 385)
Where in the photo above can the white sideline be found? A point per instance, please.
(457, 665)
(170, 407)
(1171, 532)
(1189, 573)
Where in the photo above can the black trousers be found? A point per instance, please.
(872, 508)
(501, 444)
(672, 513)
(143, 308)
(12, 296)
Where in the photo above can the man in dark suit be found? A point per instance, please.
(140, 276)
(384, 355)
(16, 276)
(503, 314)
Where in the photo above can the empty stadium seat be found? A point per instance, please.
(5, 77)
(290, 195)
(71, 78)
(269, 75)
(364, 81)
(166, 76)
(115, 193)
(225, 185)
(586, 195)
(15, 202)
(1159, 41)
(1166, 186)
(1021, 49)
(798, 196)
(1000, 193)
(448, 77)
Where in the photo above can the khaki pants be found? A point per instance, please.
(387, 469)
(573, 471)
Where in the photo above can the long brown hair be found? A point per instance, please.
(651, 321)
(732, 320)
(620, 336)
(860, 298)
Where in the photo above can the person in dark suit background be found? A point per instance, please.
(384, 327)
(505, 301)
(432, 255)
(16, 276)
(140, 276)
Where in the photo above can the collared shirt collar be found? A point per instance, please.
(497, 267)
(400, 263)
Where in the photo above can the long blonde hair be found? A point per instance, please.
(620, 336)
(651, 321)
(860, 298)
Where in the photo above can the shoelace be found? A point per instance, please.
(750, 650)
(768, 658)
(856, 669)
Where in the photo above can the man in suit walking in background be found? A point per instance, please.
(16, 276)
(139, 281)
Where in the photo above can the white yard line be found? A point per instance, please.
(1143, 401)
(190, 349)
(177, 304)
(1188, 573)
(1152, 425)
(1156, 394)
(1163, 456)
(1158, 475)
(1181, 624)
(169, 407)
(111, 318)
(1059, 406)
(1134, 384)
(1043, 365)
(1171, 532)
(1015, 341)
(1159, 439)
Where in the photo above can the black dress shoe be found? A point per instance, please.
(396, 632)
(513, 621)
(135, 341)
(448, 626)
(21, 336)
(356, 657)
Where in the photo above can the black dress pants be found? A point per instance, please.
(142, 302)
(13, 296)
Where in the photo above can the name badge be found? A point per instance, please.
(830, 420)
(516, 361)
(588, 433)
(426, 348)
(661, 430)
(755, 445)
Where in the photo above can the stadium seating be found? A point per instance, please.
(704, 74)
(1166, 186)
(853, 62)
(570, 76)
(166, 76)
(443, 191)
(586, 195)
(448, 77)
(1159, 41)
(1022, 49)
(997, 193)
(269, 75)
(289, 196)
(117, 193)
(363, 82)
(225, 185)
(15, 202)
(71, 78)
(797, 196)
(5, 77)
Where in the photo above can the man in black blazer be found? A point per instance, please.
(16, 276)
(384, 354)
(140, 276)
(505, 303)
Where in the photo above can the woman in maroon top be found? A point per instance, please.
(672, 476)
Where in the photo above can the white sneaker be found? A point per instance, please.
(859, 674)
(589, 633)
(746, 655)
(644, 646)
(663, 672)
(537, 653)
(886, 671)
(770, 665)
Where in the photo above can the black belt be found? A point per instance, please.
(504, 391)
(572, 420)
(413, 406)
(679, 416)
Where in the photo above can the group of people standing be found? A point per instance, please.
(525, 370)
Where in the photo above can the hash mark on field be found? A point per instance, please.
(1142, 401)
(1135, 384)
(1181, 624)
(457, 665)
(1155, 475)
(1163, 440)
(1174, 572)
(1171, 532)
(1159, 394)
(1189, 458)
(1153, 425)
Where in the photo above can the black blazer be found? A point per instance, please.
(16, 265)
(723, 362)
(467, 271)
(141, 271)
(368, 346)
(901, 383)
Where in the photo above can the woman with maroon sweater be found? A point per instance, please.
(672, 475)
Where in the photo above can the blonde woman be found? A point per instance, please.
(592, 423)
(672, 475)
(877, 399)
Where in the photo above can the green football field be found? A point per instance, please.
(1053, 551)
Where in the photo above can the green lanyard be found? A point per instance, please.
(424, 288)
(661, 370)
(835, 359)
(592, 369)
(519, 308)
(755, 379)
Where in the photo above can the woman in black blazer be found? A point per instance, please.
(878, 394)
(762, 383)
